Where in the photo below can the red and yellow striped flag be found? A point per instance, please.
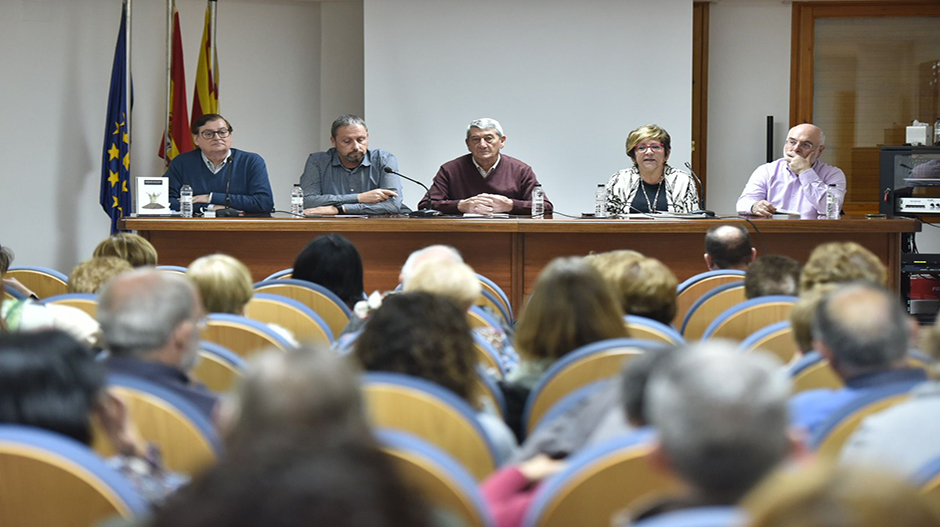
(206, 91)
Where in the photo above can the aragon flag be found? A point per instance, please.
(206, 91)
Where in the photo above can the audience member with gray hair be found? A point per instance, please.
(350, 178)
(721, 419)
(151, 324)
(436, 253)
(483, 181)
(863, 331)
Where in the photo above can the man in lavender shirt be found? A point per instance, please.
(797, 182)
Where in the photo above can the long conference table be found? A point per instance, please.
(510, 251)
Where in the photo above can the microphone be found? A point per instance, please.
(421, 213)
(228, 212)
(701, 197)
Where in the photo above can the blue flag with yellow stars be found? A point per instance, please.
(116, 161)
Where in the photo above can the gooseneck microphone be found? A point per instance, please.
(228, 212)
(701, 195)
(421, 212)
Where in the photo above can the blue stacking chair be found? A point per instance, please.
(749, 316)
(43, 281)
(714, 516)
(692, 289)
(87, 302)
(219, 369)
(50, 479)
(290, 314)
(242, 335)
(829, 437)
(490, 286)
(283, 273)
(321, 300)
(648, 329)
(709, 306)
(599, 482)
(172, 268)
(776, 338)
(437, 476)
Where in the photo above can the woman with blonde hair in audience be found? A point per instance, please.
(644, 286)
(571, 306)
(90, 275)
(128, 246)
(826, 495)
(842, 262)
(428, 336)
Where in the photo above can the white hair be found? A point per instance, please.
(485, 124)
(436, 252)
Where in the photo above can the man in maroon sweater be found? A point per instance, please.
(483, 181)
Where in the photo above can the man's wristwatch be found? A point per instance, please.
(340, 208)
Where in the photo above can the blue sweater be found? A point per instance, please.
(250, 190)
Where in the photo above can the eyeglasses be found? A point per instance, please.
(223, 133)
(802, 145)
(655, 147)
(488, 139)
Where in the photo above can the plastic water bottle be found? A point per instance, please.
(297, 202)
(538, 202)
(186, 201)
(832, 203)
(600, 201)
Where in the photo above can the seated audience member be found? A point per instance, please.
(803, 313)
(772, 274)
(220, 175)
(90, 275)
(27, 315)
(797, 182)
(841, 262)
(151, 323)
(644, 286)
(285, 482)
(721, 422)
(427, 336)
(906, 436)
(436, 253)
(826, 495)
(458, 282)
(863, 331)
(651, 184)
(332, 261)
(728, 247)
(51, 381)
(6, 259)
(483, 181)
(128, 246)
(224, 283)
(570, 306)
(349, 178)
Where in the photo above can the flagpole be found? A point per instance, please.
(129, 90)
(213, 13)
(169, 60)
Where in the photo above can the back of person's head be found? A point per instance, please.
(861, 327)
(90, 275)
(224, 283)
(456, 281)
(644, 286)
(721, 418)
(283, 482)
(6, 259)
(140, 310)
(436, 253)
(570, 306)
(49, 380)
(333, 262)
(828, 495)
(127, 246)
(635, 378)
(842, 262)
(310, 391)
(804, 312)
(728, 247)
(772, 274)
(423, 335)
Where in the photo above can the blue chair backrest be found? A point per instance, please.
(493, 387)
(300, 307)
(760, 334)
(705, 298)
(807, 360)
(929, 474)
(245, 321)
(278, 274)
(39, 269)
(175, 268)
(707, 274)
(446, 467)
(69, 296)
(501, 293)
(669, 331)
(714, 516)
(59, 450)
(14, 292)
(224, 353)
(747, 304)
(859, 402)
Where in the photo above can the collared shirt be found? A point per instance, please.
(486, 173)
(804, 193)
(216, 169)
(326, 181)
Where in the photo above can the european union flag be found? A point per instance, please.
(116, 160)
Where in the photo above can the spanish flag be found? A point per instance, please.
(115, 198)
(178, 138)
(206, 91)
